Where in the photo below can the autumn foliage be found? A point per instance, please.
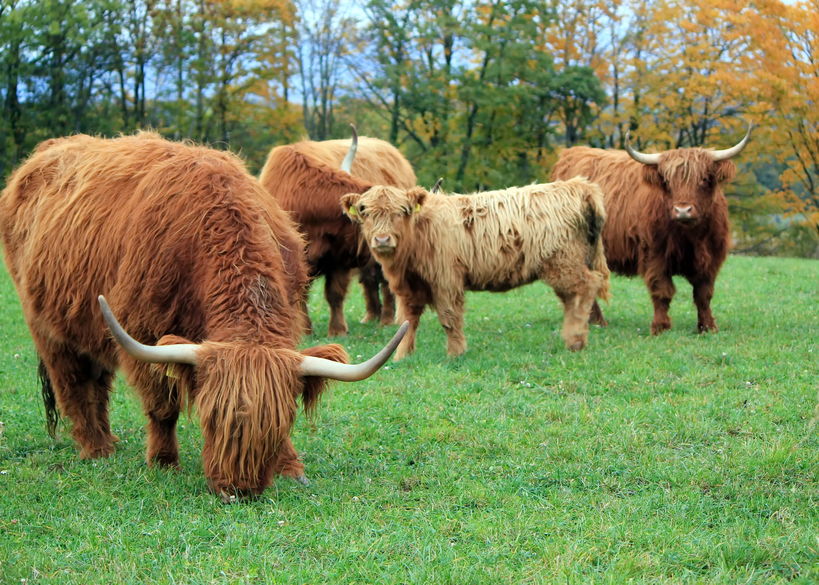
(483, 93)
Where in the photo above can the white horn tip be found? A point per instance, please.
(314, 366)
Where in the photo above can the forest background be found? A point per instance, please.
(482, 93)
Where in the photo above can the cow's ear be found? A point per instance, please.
(416, 197)
(314, 386)
(181, 376)
(724, 170)
(348, 205)
(652, 176)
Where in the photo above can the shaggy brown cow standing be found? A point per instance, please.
(308, 179)
(667, 216)
(198, 261)
(432, 247)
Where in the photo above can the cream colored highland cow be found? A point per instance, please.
(432, 247)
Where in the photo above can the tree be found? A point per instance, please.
(326, 35)
(578, 93)
(788, 80)
(14, 68)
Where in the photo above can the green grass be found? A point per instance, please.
(683, 458)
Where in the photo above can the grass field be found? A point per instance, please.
(679, 459)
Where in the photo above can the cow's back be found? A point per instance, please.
(504, 237)
(305, 177)
(376, 161)
(629, 201)
(154, 225)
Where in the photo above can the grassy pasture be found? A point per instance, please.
(679, 459)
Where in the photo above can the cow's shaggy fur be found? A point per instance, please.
(188, 248)
(432, 247)
(305, 178)
(663, 220)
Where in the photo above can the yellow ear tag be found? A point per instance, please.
(170, 372)
(417, 208)
(352, 211)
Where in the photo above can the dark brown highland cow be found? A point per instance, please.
(197, 261)
(667, 216)
(308, 179)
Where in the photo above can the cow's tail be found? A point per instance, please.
(50, 403)
(595, 221)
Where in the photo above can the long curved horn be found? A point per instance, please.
(646, 159)
(437, 186)
(316, 366)
(180, 353)
(727, 153)
(347, 163)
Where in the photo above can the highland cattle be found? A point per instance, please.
(667, 215)
(308, 179)
(432, 247)
(201, 265)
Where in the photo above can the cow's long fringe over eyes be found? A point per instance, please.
(246, 403)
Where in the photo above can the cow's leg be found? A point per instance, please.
(450, 309)
(661, 288)
(577, 287)
(288, 464)
(575, 330)
(369, 279)
(335, 289)
(596, 316)
(411, 310)
(162, 447)
(161, 404)
(388, 305)
(81, 387)
(703, 291)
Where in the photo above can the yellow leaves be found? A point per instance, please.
(258, 11)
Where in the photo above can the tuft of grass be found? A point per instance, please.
(682, 458)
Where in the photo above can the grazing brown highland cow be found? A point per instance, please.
(667, 216)
(308, 179)
(432, 247)
(200, 263)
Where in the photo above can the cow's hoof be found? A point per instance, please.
(164, 460)
(302, 479)
(657, 328)
(368, 318)
(577, 345)
(96, 452)
(337, 331)
(227, 498)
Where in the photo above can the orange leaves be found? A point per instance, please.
(787, 37)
